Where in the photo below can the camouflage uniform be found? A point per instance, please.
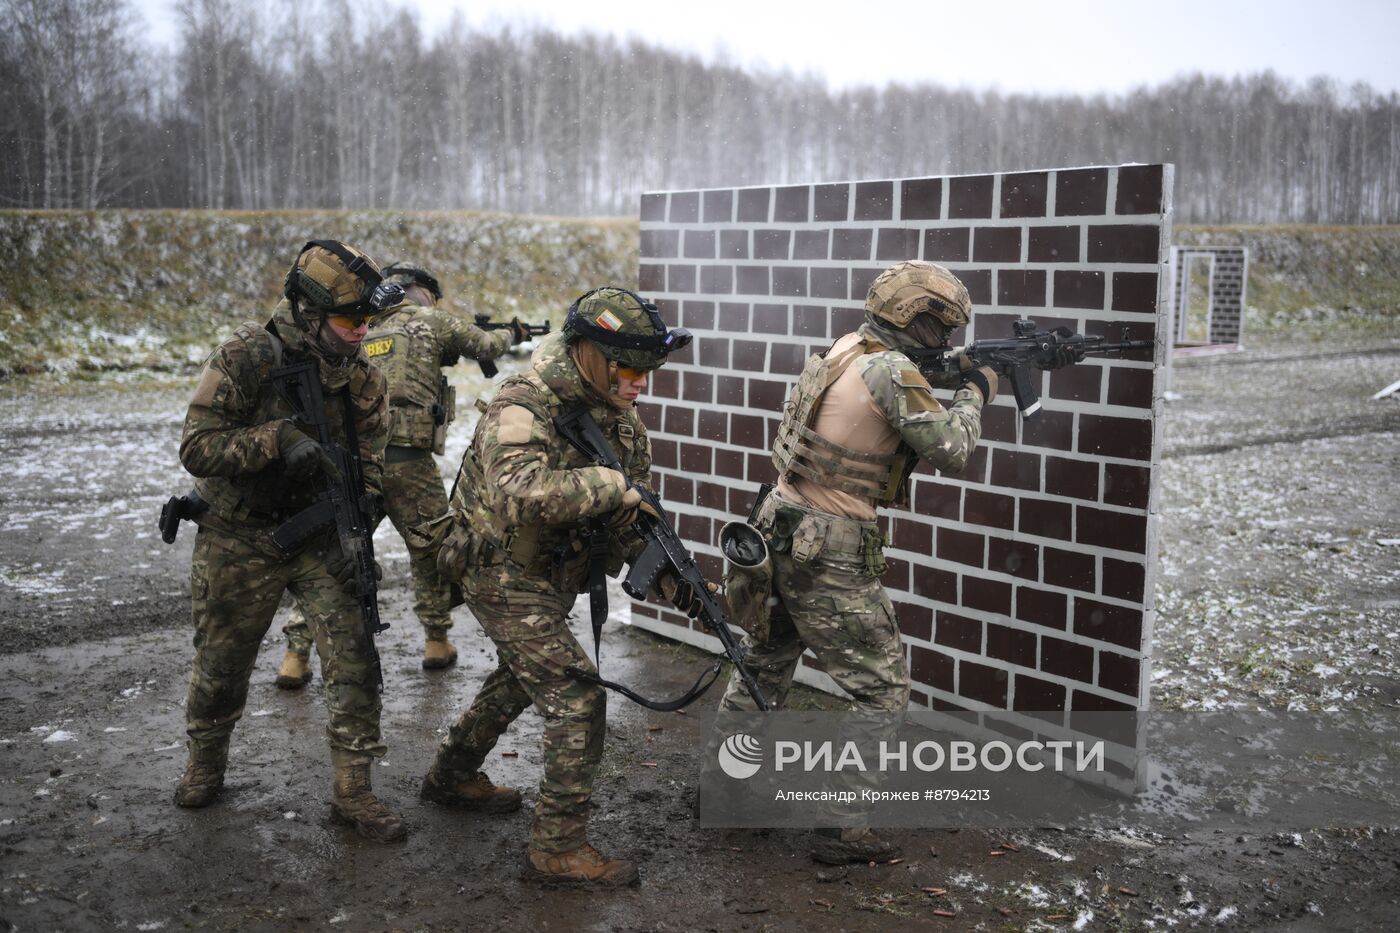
(410, 345)
(522, 497)
(826, 548)
(238, 576)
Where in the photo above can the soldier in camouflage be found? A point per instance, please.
(522, 499)
(255, 468)
(859, 418)
(410, 344)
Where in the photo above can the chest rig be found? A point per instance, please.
(801, 451)
(407, 351)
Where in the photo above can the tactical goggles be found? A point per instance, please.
(631, 373)
(349, 321)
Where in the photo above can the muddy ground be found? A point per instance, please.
(1279, 588)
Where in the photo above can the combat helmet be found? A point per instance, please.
(626, 328)
(406, 274)
(331, 277)
(907, 289)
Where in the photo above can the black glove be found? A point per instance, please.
(1062, 355)
(343, 569)
(682, 595)
(302, 455)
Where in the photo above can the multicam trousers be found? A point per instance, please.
(413, 495)
(534, 646)
(237, 583)
(828, 598)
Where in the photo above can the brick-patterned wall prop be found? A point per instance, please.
(1024, 583)
(1229, 270)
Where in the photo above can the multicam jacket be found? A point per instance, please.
(410, 345)
(525, 495)
(229, 443)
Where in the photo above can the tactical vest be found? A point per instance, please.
(801, 451)
(503, 522)
(421, 403)
(268, 496)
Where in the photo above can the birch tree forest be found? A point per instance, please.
(316, 104)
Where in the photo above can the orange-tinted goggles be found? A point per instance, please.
(627, 372)
(350, 321)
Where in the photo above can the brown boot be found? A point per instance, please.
(846, 846)
(295, 671)
(583, 866)
(470, 792)
(203, 778)
(355, 805)
(438, 653)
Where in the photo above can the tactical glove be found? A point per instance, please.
(682, 595)
(343, 569)
(1063, 356)
(985, 379)
(632, 506)
(519, 333)
(302, 455)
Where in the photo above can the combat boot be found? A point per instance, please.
(583, 866)
(472, 792)
(438, 653)
(295, 671)
(355, 805)
(845, 846)
(203, 778)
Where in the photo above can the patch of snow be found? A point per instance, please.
(166, 748)
(1084, 919)
(151, 925)
(115, 729)
(1225, 914)
(60, 736)
(289, 815)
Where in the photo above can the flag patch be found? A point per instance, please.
(608, 321)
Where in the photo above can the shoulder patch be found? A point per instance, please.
(381, 347)
(910, 378)
(514, 425)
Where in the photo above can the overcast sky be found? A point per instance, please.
(1084, 46)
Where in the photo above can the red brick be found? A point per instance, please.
(654, 206)
(1016, 468)
(970, 196)
(1129, 438)
(1042, 607)
(996, 244)
(1074, 289)
(1068, 569)
(921, 198)
(1034, 695)
(933, 583)
(874, 200)
(932, 668)
(960, 546)
(1047, 519)
(729, 390)
(1120, 673)
(748, 431)
(734, 244)
(791, 204)
(1123, 579)
(1126, 485)
(767, 395)
(788, 359)
(678, 489)
(1057, 244)
(680, 419)
(1081, 192)
(913, 536)
(896, 575)
(983, 683)
(1122, 531)
(1139, 190)
(751, 280)
(938, 500)
(1131, 387)
(914, 621)
(685, 207)
(719, 206)
(1018, 558)
(832, 202)
(728, 463)
(1021, 287)
(650, 415)
(1066, 659)
(713, 426)
(1011, 644)
(979, 285)
(829, 283)
(1125, 243)
(1052, 429)
(712, 496)
(986, 595)
(1079, 383)
(999, 423)
(761, 469)
(772, 244)
(1135, 292)
(1078, 479)
(1023, 194)
(948, 244)
(987, 508)
(789, 281)
(1106, 622)
(851, 244)
(666, 454)
(680, 279)
(699, 244)
(695, 459)
(753, 204)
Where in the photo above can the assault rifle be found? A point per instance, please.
(1015, 357)
(665, 552)
(488, 367)
(345, 503)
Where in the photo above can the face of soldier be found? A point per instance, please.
(631, 383)
(346, 330)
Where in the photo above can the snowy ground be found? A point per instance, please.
(1278, 589)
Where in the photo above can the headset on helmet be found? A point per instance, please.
(376, 295)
